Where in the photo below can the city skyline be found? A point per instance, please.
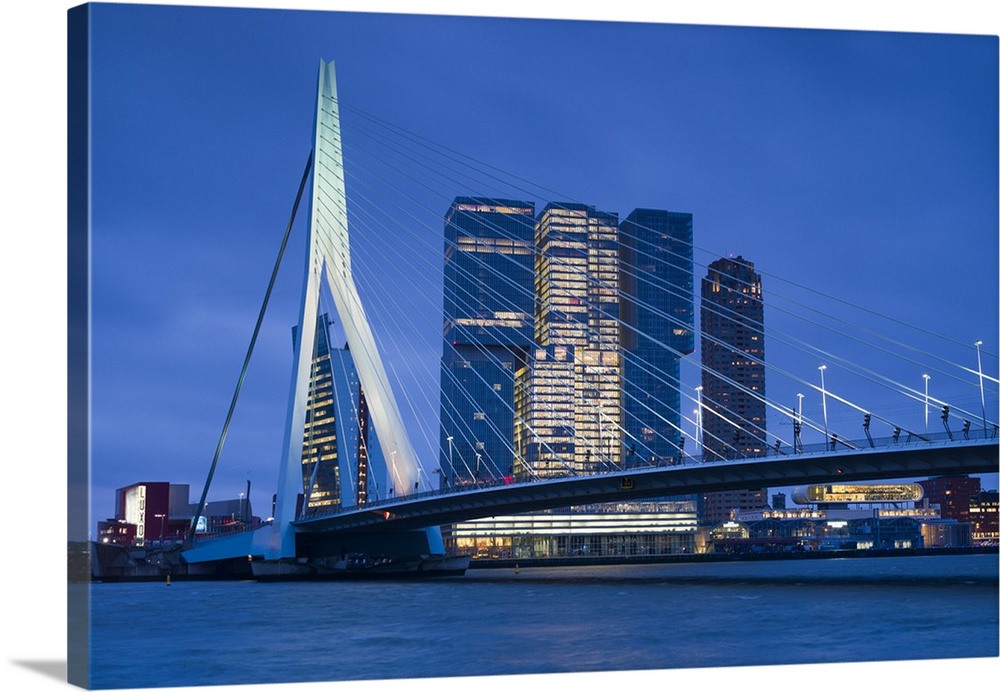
(706, 179)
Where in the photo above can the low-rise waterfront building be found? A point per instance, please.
(606, 530)
(946, 533)
(984, 518)
(860, 516)
(160, 512)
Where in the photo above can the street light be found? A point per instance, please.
(697, 433)
(822, 388)
(600, 436)
(700, 422)
(982, 393)
(451, 463)
(395, 474)
(161, 517)
(797, 427)
(927, 401)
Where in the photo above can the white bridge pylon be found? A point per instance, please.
(328, 255)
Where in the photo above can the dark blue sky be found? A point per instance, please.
(859, 164)
(867, 162)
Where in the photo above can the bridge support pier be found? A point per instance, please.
(329, 555)
(396, 545)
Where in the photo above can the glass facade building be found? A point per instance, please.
(542, 316)
(545, 406)
(620, 529)
(320, 465)
(577, 320)
(658, 329)
(341, 458)
(562, 338)
(488, 331)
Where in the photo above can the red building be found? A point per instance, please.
(160, 512)
(142, 514)
(953, 494)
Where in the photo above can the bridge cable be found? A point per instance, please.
(246, 361)
(783, 410)
(459, 157)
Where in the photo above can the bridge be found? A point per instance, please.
(330, 500)
(885, 461)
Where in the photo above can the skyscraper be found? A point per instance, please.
(577, 310)
(488, 328)
(658, 329)
(320, 465)
(548, 296)
(733, 413)
(338, 443)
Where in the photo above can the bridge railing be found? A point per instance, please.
(833, 445)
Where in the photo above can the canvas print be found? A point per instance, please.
(409, 347)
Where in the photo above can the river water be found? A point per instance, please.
(546, 620)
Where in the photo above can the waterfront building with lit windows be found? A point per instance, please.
(624, 529)
(152, 519)
(983, 517)
(342, 462)
(854, 516)
(832, 528)
(577, 309)
(924, 511)
(862, 493)
(545, 396)
(143, 512)
(733, 412)
(488, 331)
(657, 310)
(156, 513)
(946, 533)
(953, 494)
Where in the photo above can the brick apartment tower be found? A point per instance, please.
(732, 358)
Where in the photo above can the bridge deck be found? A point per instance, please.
(923, 459)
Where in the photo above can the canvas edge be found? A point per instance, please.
(78, 345)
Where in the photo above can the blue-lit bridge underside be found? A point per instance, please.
(869, 464)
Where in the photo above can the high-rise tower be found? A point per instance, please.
(341, 463)
(488, 327)
(577, 342)
(588, 295)
(320, 466)
(733, 414)
(658, 329)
